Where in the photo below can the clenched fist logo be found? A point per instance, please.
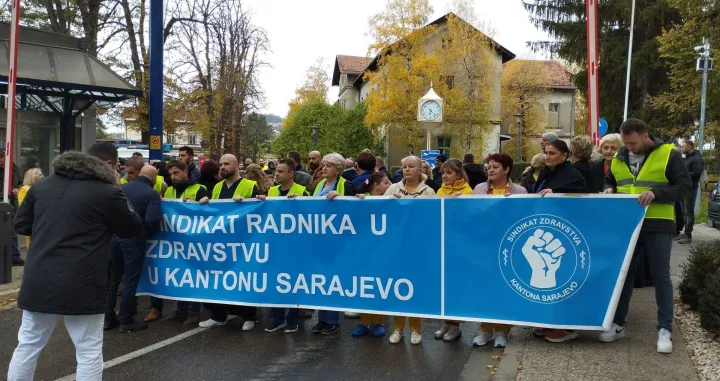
(544, 254)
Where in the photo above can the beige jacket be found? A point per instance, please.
(422, 190)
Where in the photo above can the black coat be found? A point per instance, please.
(593, 178)
(146, 202)
(695, 165)
(72, 216)
(561, 179)
(476, 174)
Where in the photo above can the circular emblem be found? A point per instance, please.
(544, 258)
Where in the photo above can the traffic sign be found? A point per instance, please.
(602, 127)
(429, 156)
(155, 142)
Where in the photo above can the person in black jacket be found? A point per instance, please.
(695, 164)
(582, 150)
(71, 215)
(559, 176)
(475, 172)
(127, 255)
(17, 182)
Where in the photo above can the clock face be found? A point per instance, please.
(430, 110)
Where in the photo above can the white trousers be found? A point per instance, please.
(86, 332)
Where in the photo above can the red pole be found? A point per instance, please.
(12, 87)
(593, 97)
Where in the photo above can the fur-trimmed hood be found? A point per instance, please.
(81, 166)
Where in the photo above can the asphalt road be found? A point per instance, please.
(167, 351)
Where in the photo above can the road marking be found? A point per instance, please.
(8, 292)
(142, 351)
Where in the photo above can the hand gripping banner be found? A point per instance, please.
(558, 261)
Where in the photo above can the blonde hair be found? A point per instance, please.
(582, 147)
(418, 163)
(456, 166)
(254, 172)
(29, 178)
(535, 163)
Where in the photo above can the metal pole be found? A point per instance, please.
(314, 137)
(11, 92)
(156, 79)
(706, 63)
(629, 61)
(469, 140)
(519, 139)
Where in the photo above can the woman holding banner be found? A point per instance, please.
(331, 186)
(499, 169)
(454, 183)
(558, 177)
(412, 185)
(375, 185)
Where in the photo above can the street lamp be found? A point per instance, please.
(704, 64)
(315, 128)
(519, 122)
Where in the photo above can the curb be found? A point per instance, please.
(507, 370)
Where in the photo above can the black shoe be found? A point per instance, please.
(133, 327)
(111, 324)
(319, 327)
(291, 328)
(178, 316)
(17, 261)
(330, 329)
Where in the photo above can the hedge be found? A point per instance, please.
(709, 306)
(704, 261)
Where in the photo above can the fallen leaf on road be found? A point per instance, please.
(7, 301)
(497, 356)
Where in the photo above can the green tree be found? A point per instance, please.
(565, 22)
(341, 130)
(253, 135)
(682, 99)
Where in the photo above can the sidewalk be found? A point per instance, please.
(585, 359)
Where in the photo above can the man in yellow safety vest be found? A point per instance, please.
(655, 171)
(237, 188)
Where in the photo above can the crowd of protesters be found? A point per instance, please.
(117, 209)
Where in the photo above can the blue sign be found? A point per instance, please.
(602, 127)
(430, 156)
(518, 260)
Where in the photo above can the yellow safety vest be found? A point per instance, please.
(340, 188)
(158, 183)
(651, 176)
(296, 189)
(244, 189)
(190, 192)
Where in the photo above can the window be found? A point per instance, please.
(447, 43)
(171, 139)
(554, 107)
(192, 138)
(443, 144)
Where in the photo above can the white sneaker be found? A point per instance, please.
(352, 315)
(415, 338)
(396, 336)
(482, 339)
(615, 332)
(453, 333)
(248, 325)
(501, 340)
(210, 323)
(442, 331)
(664, 344)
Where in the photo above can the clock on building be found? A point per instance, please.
(430, 108)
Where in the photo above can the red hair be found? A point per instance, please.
(503, 159)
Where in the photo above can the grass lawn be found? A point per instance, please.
(701, 218)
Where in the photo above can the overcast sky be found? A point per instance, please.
(302, 31)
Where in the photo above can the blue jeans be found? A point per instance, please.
(126, 261)
(657, 246)
(279, 315)
(329, 317)
(15, 248)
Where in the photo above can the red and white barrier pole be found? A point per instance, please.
(593, 97)
(11, 91)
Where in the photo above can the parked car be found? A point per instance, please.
(713, 219)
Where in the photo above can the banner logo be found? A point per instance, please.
(544, 258)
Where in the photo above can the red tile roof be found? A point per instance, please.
(558, 76)
(352, 64)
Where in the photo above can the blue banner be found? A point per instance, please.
(557, 261)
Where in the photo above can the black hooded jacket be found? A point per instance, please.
(564, 178)
(72, 215)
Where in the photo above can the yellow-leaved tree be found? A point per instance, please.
(404, 71)
(524, 92)
(469, 68)
(314, 87)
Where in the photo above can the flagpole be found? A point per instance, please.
(11, 91)
(629, 60)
